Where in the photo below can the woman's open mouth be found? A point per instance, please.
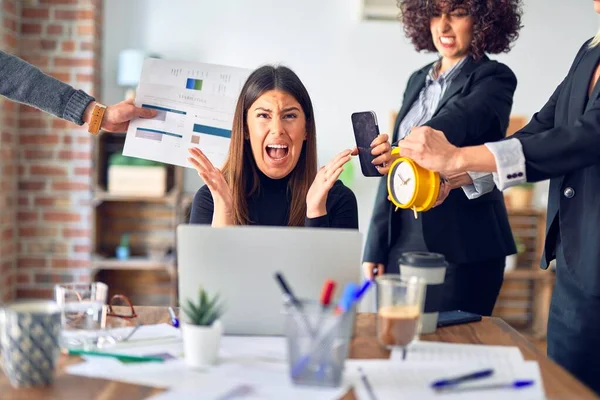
(277, 152)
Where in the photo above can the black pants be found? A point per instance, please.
(574, 326)
(472, 287)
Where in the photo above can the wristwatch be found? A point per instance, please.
(96, 119)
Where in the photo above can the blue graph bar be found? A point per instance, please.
(211, 130)
(163, 109)
(160, 132)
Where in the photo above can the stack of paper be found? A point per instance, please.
(427, 362)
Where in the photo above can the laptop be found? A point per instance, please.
(239, 263)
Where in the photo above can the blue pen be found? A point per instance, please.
(174, 320)
(363, 289)
(455, 381)
(517, 384)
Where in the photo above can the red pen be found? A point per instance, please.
(327, 293)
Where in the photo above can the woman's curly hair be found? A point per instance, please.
(496, 23)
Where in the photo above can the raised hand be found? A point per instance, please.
(316, 198)
(214, 179)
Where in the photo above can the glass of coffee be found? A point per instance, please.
(399, 307)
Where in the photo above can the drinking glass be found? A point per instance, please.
(81, 313)
(399, 309)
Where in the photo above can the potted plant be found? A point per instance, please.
(201, 330)
(123, 248)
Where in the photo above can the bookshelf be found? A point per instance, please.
(149, 275)
(524, 299)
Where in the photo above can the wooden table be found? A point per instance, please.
(558, 383)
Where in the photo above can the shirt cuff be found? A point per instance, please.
(483, 182)
(510, 163)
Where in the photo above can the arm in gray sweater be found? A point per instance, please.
(25, 83)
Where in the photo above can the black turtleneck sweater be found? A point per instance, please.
(270, 205)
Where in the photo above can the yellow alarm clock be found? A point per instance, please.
(411, 186)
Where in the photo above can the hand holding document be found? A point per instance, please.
(194, 104)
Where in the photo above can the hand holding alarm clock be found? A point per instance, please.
(411, 186)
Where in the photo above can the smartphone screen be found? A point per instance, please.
(365, 131)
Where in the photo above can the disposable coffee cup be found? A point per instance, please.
(432, 268)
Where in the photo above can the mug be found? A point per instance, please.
(29, 334)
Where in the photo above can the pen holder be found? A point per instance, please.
(317, 342)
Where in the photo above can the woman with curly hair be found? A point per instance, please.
(468, 97)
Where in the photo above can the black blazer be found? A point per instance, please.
(475, 109)
(562, 142)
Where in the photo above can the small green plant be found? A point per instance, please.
(205, 311)
(125, 240)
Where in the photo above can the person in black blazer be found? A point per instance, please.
(560, 143)
(471, 104)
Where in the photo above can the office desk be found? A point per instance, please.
(558, 383)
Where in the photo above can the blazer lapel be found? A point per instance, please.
(412, 94)
(582, 76)
(458, 82)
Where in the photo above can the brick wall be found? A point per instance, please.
(63, 38)
(9, 28)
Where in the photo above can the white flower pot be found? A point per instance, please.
(201, 344)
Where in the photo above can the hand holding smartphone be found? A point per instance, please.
(365, 128)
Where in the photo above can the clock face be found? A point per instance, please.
(403, 183)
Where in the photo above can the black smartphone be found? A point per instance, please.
(365, 128)
(447, 318)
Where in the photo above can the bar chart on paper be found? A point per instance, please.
(194, 105)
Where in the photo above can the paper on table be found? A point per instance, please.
(195, 103)
(261, 361)
(269, 380)
(390, 380)
(146, 333)
(451, 352)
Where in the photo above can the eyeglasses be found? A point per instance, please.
(122, 311)
(120, 320)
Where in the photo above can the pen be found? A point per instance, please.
(286, 289)
(297, 306)
(518, 384)
(174, 320)
(120, 357)
(365, 381)
(327, 293)
(325, 300)
(363, 289)
(455, 381)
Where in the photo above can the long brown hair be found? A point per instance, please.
(240, 167)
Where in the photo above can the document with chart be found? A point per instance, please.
(195, 103)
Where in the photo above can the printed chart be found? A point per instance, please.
(194, 104)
